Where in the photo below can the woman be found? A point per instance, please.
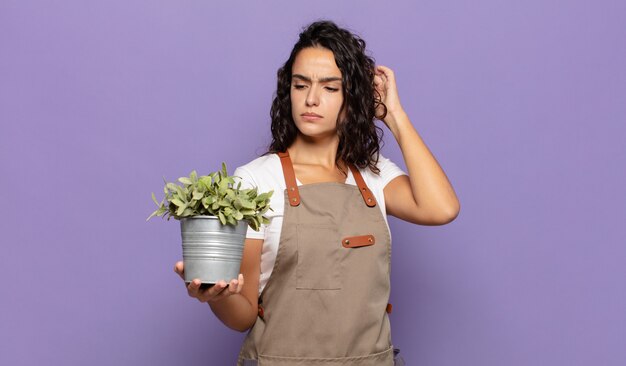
(317, 277)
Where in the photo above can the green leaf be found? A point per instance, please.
(206, 181)
(185, 180)
(178, 202)
(155, 201)
(262, 197)
(222, 218)
(254, 223)
(172, 187)
(181, 193)
(180, 210)
(248, 204)
(223, 184)
(152, 215)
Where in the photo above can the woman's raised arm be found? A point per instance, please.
(426, 197)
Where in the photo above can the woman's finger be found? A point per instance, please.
(386, 72)
(240, 286)
(216, 292)
(178, 268)
(193, 287)
(212, 292)
(384, 69)
(233, 287)
(226, 288)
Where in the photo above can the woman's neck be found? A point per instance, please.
(314, 152)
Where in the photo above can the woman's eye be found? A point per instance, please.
(297, 86)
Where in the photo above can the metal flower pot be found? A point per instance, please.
(211, 251)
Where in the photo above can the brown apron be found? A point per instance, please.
(326, 301)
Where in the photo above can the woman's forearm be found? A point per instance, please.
(235, 311)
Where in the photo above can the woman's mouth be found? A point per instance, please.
(311, 116)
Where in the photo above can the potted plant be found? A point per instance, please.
(214, 218)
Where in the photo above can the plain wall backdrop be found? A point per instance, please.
(522, 103)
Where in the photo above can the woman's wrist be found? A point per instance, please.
(396, 120)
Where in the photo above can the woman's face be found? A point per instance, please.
(316, 88)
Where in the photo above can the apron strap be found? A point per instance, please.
(292, 186)
(290, 178)
(368, 196)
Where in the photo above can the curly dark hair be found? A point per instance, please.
(359, 137)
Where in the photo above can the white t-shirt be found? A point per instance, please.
(266, 173)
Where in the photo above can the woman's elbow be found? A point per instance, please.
(440, 217)
(451, 214)
(245, 325)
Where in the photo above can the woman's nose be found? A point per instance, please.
(313, 97)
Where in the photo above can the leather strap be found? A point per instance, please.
(290, 178)
(292, 187)
(368, 196)
(358, 241)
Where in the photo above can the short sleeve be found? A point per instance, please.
(388, 170)
(247, 181)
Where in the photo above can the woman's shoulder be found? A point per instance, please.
(388, 171)
(260, 163)
(261, 171)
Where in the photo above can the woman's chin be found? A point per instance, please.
(316, 135)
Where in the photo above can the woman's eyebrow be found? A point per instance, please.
(322, 80)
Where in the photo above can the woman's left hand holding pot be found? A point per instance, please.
(215, 293)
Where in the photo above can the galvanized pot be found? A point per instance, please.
(211, 251)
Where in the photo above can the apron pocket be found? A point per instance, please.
(320, 253)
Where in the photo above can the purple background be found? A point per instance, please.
(522, 103)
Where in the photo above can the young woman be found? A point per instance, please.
(317, 279)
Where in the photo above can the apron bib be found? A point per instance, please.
(326, 301)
